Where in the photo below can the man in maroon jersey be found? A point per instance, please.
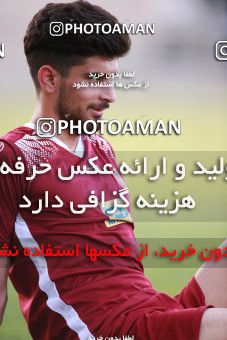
(73, 297)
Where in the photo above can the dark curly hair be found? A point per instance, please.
(70, 49)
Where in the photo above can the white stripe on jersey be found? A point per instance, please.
(46, 285)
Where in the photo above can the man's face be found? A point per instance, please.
(86, 103)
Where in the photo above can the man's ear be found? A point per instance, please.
(48, 78)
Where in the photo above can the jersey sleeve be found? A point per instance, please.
(12, 188)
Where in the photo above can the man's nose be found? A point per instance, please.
(108, 94)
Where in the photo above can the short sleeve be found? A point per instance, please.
(12, 188)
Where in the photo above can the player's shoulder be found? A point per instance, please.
(16, 134)
(8, 141)
(23, 141)
(99, 143)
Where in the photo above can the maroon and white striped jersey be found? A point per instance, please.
(74, 296)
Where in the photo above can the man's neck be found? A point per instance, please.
(70, 140)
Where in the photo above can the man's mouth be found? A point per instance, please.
(98, 109)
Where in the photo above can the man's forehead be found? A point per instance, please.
(97, 64)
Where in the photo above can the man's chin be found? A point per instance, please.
(89, 126)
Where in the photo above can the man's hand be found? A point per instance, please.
(4, 264)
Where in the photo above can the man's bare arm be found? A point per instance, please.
(4, 264)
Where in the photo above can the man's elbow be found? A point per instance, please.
(3, 302)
